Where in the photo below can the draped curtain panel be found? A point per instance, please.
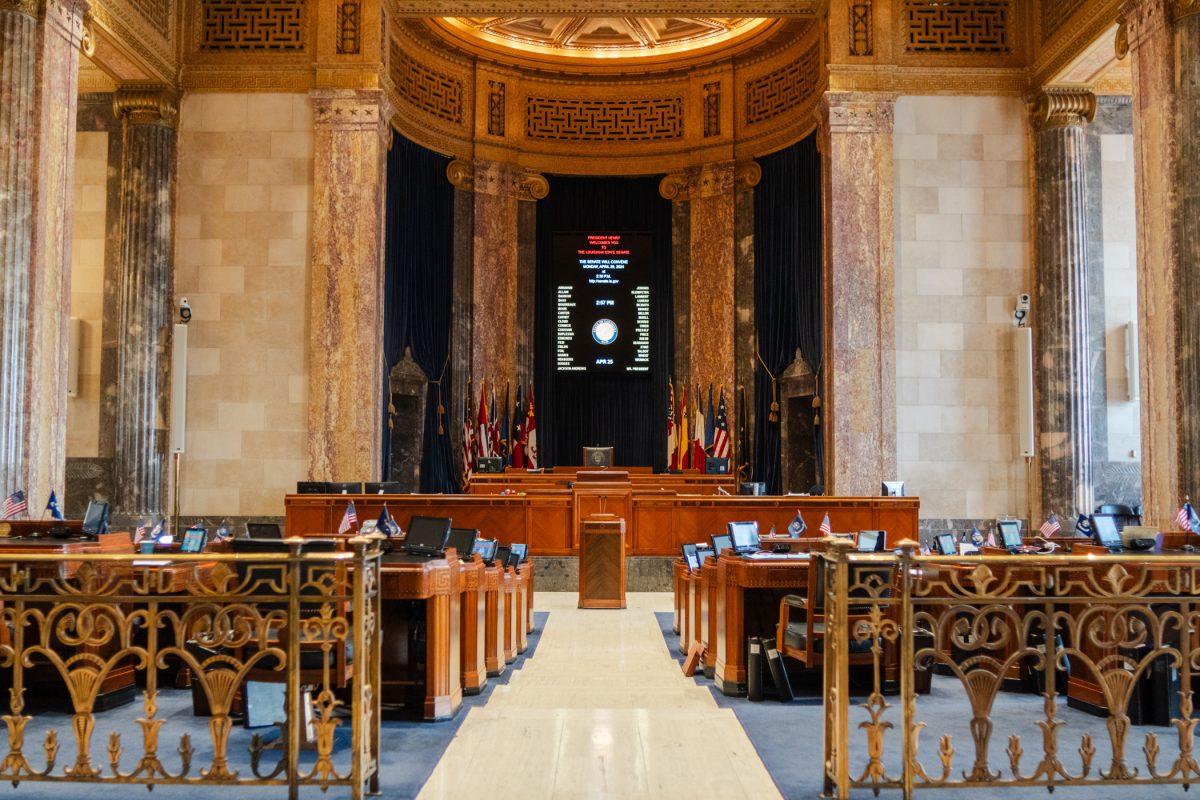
(787, 288)
(418, 259)
(627, 412)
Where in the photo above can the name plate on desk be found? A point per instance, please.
(602, 562)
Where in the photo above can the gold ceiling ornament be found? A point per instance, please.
(602, 37)
(461, 174)
(1060, 106)
(146, 105)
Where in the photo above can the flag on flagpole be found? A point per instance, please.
(683, 457)
(1187, 519)
(797, 526)
(531, 443)
(743, 448)
(826, 527)
(710, 423)
(505, 444)
(15, 504)
(991, 539)
(384, 523)
(698, 425)
(139, 533)
(1083, 526)
(52, 506)
(1051, 526)
(516, 445)
(720, 425)
(483, 442)
(494, 424)
(349, 519)
(468, 439)
(671, 433)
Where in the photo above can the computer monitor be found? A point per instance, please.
(893, 488)
(520, 552)
(744, 536)
(194, 540)
(720, 543)
(944, 544)
(384, 487)
(312, 487)
(690, 558)
(1010, 533)
(504, 557)
(597, 457)
(752, 488)
(486, 548)
(95, 519)
(427, 536)
(870, 541)
(1105, 531)
(703, 551)
(345, 487)
(463, 541)
(263, 530)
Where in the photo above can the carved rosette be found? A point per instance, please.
(855, 112)
(146, 105)
(1060, 106)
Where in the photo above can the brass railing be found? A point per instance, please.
(310, 621)
(1094, 626)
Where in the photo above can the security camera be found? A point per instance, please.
(185, 310)
(1021, 311)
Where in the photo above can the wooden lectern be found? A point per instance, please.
(602, 562)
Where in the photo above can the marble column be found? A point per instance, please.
(39, 65)
(859, 365)
(1162, 40)
(145, 299)
(462, 175)
(351, 135)
(745, 341)
(1067, 223)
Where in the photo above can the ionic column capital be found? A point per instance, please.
(146, 105)
(1062, 106)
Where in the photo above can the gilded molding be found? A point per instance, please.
(28, 7)
(534, 186)
(654, 8)
(146, 105)
(675, 186)
(1060, 106)
(461, 174)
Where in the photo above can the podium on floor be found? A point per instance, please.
(602, 561)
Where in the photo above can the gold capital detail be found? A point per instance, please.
(533, 186)
(1186, 8)
(747, 174)
(461, 174)
(1059, 106)
(29, 7)
(674, 186)
(146, 105)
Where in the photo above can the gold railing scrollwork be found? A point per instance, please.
(71, 624)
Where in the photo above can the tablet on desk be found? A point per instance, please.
(944, 544)
(1010, 533)
(194, 540)
(690, 558)
(744, 537)
(1104, 529)
(870, 541)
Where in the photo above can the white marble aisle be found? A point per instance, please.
(601, 711)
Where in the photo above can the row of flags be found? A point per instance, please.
(798, 526)
(696, 432)
(16, 503)
(508, 432)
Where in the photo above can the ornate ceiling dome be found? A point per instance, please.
(588, 39)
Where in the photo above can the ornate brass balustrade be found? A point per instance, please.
(225, 617)
(978, 621)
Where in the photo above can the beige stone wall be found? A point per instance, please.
(1120, 291)
(87, 288)
(963, 254)
(245, 168)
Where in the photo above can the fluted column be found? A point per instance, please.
(1066, 221)
(351, 133)
(860, 288)
(39, 65)
(145, 279)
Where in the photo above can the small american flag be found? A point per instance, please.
(720, 443)
(991, 539)
(826, 528)
(1186, 518)
(139, 533)
(349, 519)
(1050, 526)
(15, 504)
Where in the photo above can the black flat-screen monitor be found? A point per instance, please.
(384, 487)
(427, 536)
(520, 552)
(603, 282)
(1010, 533)
(691, 558)
(744, 536)
(720, 543)
(893, 488)
(752, 488)
(1105, 531)
(95, 519)
(504, 556)
(486, 548)
(345, 487)
(870, 541)
(194, 540)
(312, 487)
(264, 530)
(703, 551)
(463, 541)
(945, 545)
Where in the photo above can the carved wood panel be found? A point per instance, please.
(252, 25)
(575, 120)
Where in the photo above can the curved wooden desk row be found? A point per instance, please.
(476, 621)
(657, 522)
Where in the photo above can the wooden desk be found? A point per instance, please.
(708, 615)
(678, 575)
(494, 614)
(429, 676)
(473, 627)
(602, 562)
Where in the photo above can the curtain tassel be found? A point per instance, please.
(816, 404)
(774, 415)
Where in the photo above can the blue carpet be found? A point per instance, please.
(410, 748)
(788, 738)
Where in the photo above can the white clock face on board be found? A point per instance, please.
(604, 331)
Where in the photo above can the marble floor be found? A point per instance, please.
(603, 711)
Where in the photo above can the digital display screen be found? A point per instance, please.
(602, 301)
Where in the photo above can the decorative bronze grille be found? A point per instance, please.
(572, 120)
(957, 26)
(253, 25)
(783, 89)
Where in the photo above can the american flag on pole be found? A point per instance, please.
(1187, 519)
(483, 439)
(15, 504)
(1051, 526)
(468, 439)
(140, 532)
(671, 432)
(349, 519)
(826, 527)
(720, 443)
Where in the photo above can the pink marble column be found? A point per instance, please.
(711, 206)
(351, 132)
(860, 370)
(39, 66)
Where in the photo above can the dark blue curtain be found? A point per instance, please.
(419, 269)
(787, 288)
(578, 409)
